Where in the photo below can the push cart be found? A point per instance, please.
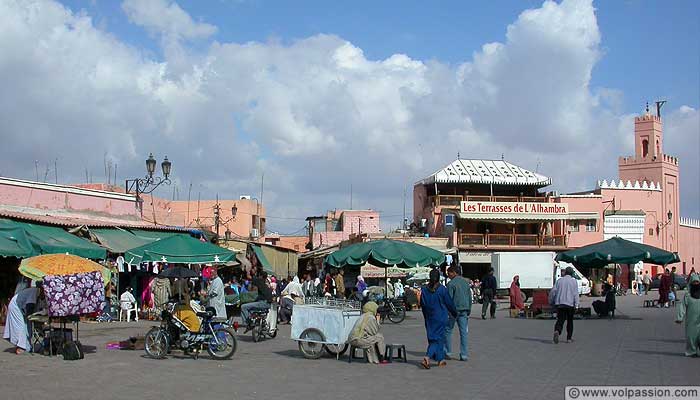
(324, 324)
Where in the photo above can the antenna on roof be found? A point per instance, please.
(659, 104)
(537, 168)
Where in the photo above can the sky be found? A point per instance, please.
(318, 96)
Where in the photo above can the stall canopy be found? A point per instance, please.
(262, 259)
(386, 253)
(181, 249)
(26, 240)
(119, 240)
(617, 251)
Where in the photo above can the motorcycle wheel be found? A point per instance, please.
(257, 333)
(273, 334)
(227, 346)
(311, 350)
(336, 350)
(398, 315)
(156, 343)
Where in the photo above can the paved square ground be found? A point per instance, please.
(509, 359)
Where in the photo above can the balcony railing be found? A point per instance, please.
(454, 200)
(509, 240)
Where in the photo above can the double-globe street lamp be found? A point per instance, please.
(149, 183)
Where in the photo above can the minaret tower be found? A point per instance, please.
(650, 164)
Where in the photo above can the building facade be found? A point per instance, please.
(484, 206)
(340, 225)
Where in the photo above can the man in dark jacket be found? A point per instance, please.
(488, 293)
(461, 295)
(261, 303)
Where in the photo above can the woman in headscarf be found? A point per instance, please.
(361, 285)
(365, 334)
(689, 310)
(436, 303)
(607, 307)
(292, 294)
(516, 298)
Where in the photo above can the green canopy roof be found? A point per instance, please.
(386, 253)
(180, 249)
(118, 240)
(14, 242)
(32, 239)
(617, 251)
(262, 259)
(152, 236)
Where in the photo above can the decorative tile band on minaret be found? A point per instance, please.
(689, 222)
(637, 185)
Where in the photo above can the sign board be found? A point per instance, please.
(474, 257)
(513, 210)
(370, 271)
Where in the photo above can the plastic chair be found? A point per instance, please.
(128, 311)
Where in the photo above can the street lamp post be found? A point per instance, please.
(218, 221)
(149, 183)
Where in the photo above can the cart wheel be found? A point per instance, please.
(336, 350)
(311, 350)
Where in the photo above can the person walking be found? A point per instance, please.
(646, 279)
(488, 293)
(689, 310)
(436, 303)
(564, 297)
(461, 295)
(673, 283)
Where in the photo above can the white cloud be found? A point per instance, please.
(315, 114)
(167, 18)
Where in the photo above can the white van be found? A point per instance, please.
(584, 285)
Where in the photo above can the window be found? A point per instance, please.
(573, 226)
(645, 147)
(449, 220)
(651, 231)
(590, 225)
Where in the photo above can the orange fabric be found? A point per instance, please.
(186, 314)
(61, 264)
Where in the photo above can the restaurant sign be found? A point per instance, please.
(513, 210)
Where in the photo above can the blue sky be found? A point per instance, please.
(650, 47)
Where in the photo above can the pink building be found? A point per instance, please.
(339, 225)
(484, 206)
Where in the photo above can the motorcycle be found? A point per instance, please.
(215, 335)
(264, 323)
(393, 309)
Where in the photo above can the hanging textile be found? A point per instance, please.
(77, 294)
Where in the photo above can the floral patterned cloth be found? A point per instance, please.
(76, 294)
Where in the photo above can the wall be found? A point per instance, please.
(360, 221)
(297, 243)
(15, 192)
(581, 204)
(689, 247)
(201, 214)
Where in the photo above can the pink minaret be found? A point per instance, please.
(652, 165)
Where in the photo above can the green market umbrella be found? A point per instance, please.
(386, 253)
(179, 249)
(617, 251)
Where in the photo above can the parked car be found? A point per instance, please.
(679, 284)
